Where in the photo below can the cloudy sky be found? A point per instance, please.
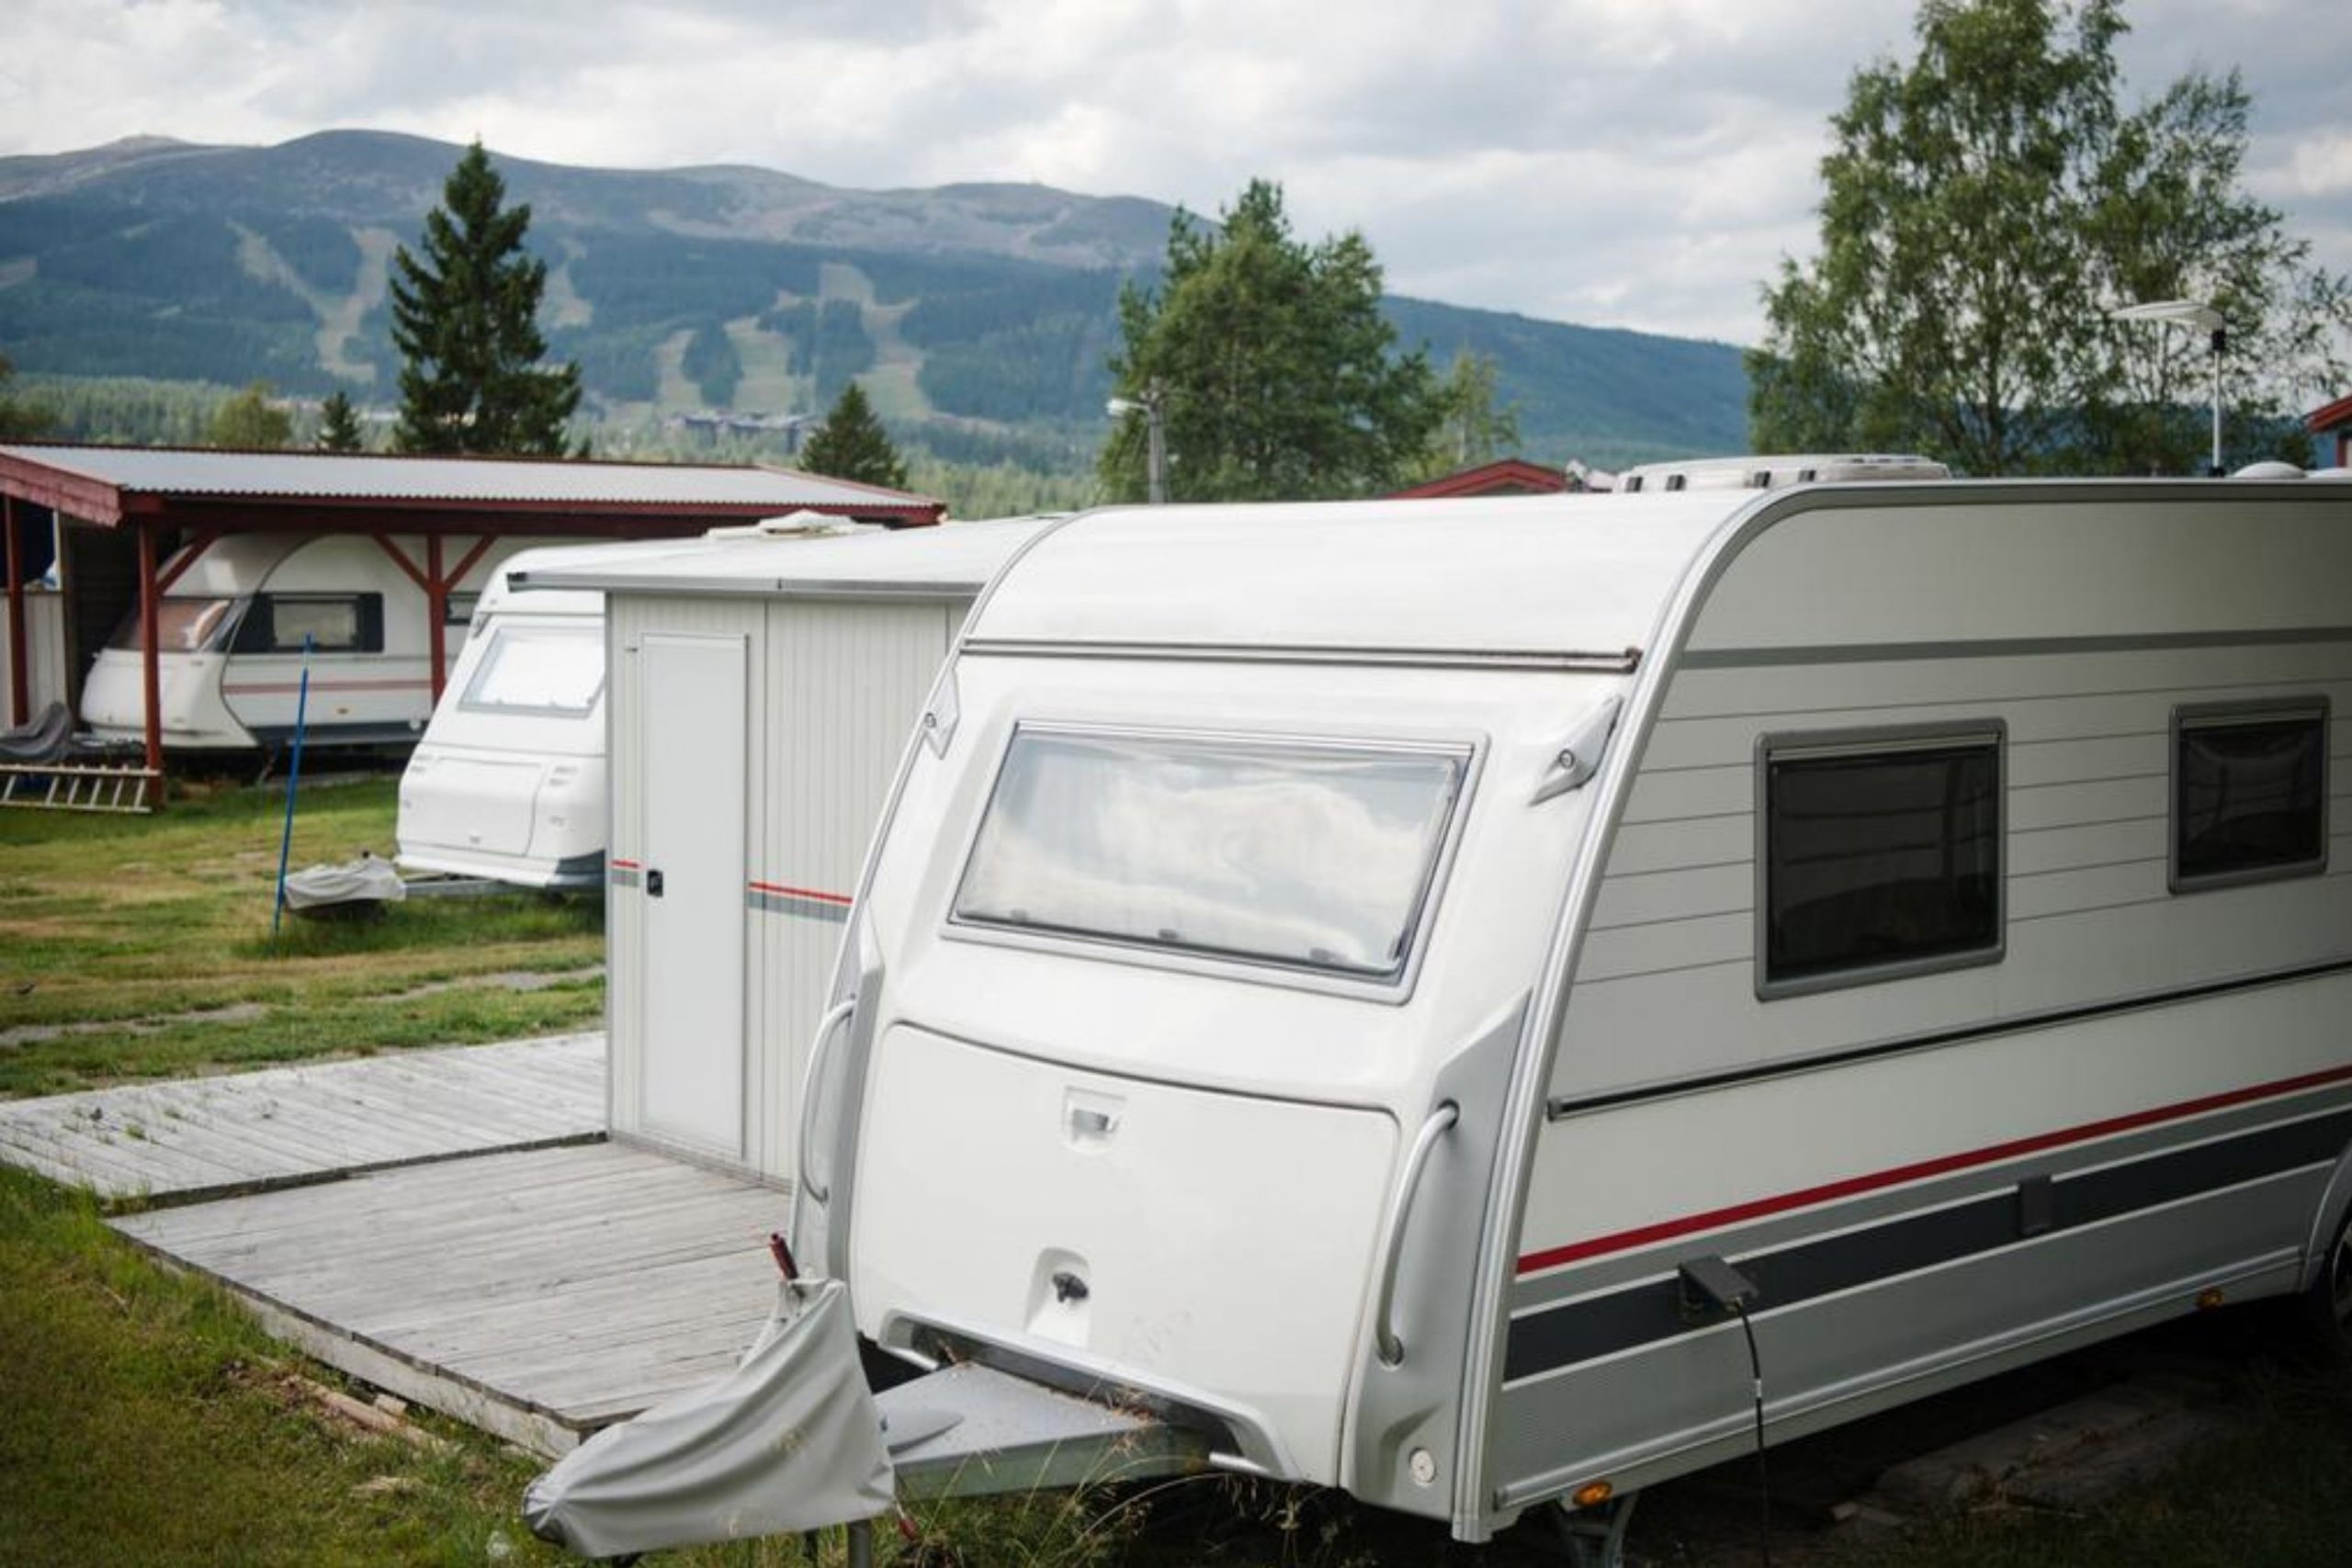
(1631, 163)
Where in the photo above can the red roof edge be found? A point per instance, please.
(1506, 475)
(2334, 416)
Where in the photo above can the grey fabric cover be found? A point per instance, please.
(48, 737)
(790, 1441)
(364, 880)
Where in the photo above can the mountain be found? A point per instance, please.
(974, 314)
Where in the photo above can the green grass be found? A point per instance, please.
(118, 928)
(143, 1421)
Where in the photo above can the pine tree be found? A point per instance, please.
(465, 319)
(852, 444)
(339, 424)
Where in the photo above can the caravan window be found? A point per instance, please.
(1881, 856)
(2249, 793)
(182, 625)
(1312, 856)
(336, 623)
(547, 669)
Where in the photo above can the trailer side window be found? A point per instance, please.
(336, 623)
(2249, 793)
(1317, 857)
(1881, 857)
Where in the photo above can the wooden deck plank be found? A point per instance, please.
(539, 1295)
(248, 1131)
(476, 1203)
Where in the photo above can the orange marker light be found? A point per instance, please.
(1592, 1495)
(2207, 1300)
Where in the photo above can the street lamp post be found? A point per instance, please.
(2190, 313)
(1155, 435)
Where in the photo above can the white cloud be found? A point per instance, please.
(1640, 162)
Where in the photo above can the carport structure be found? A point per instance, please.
(185, 500)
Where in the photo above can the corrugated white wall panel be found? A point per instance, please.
(846, 683)
(46, 662)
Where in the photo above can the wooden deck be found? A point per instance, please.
(195, 1138)
(538, 1294)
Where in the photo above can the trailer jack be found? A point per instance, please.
(1594, 1537)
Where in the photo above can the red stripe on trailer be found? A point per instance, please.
(626, 865)
(284, 688)
(1854, 1186)
(842, 898)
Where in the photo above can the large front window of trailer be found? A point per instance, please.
(558, 671)
(182, 625)
(1312, 856)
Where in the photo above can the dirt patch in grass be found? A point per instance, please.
(33, 1033)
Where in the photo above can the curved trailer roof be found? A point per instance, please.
(951, 559)
(1586, 577)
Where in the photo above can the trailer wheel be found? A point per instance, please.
(2328, 1306)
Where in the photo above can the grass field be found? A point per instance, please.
(144, 1420)
(140, 946)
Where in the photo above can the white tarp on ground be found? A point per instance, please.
(790, 1441)
(364, 880)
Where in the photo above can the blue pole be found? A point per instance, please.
(293, 779)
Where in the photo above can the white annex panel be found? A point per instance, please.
(694, 737)
(845, 684)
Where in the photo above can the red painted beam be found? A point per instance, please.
(400, 559)
(472, 558)
(436, 614)
(186, 558)
(150, 596)
(20, 687)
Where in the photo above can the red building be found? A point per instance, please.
(1506, 475)
(2331, 426)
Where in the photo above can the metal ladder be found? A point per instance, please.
(79, 786)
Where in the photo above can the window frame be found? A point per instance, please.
(2187, 717)
(260, 620)
(485, 660)
(1396, 989)
(1889, 740)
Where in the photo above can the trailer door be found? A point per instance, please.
(693, 735)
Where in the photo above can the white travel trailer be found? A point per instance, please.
(1386, 986)
(761, 695)
(508, 782)
(230, 644)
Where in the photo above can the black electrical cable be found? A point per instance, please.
(1763, 1480)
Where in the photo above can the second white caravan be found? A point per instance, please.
(508, 781)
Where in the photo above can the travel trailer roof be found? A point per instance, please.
(505, 591)
(956, 557)
(1588, 575)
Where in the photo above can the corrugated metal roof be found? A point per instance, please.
(335, 476)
